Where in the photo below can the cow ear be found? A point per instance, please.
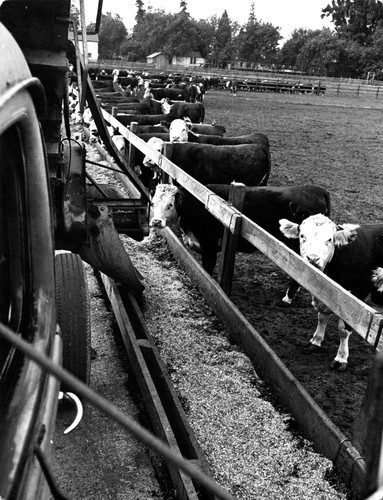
(345, 234)
(288, 228)
(188, 123)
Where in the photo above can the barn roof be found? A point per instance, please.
(155, 54)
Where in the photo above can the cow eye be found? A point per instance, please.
(302, 238)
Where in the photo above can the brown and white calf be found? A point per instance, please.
(351, 255)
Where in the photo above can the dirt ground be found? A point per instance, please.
(330, 142)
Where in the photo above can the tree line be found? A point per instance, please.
(353, 48)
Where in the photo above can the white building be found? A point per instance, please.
(92, 44)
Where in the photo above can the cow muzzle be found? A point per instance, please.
(158, 223)
(314, 260)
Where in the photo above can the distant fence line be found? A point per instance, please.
(263, 81)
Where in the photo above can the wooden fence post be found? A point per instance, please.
(230, 238)
(368, 434)
(168, 152)
(132, 150)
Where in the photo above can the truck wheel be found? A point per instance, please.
(73, 314)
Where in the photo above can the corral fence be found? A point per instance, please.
(347, 455)
(259, 81)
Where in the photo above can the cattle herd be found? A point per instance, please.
(173, 111)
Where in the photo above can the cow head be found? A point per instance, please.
(178, 131)
(165, 106)
(120, 143)
(318, 237)
(164, 205)
(148, 93)
(155, 143)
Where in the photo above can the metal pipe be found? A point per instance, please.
(113, 412)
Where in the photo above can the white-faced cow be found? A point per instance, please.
(195, 111)
(247, 163)
(349, 254)
(263, 205)
(126, 119)
(179, 132)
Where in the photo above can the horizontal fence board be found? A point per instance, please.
(365, 320)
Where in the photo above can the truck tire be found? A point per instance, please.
(73, 314)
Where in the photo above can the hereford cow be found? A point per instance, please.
(195, 111)
(173, 94)
(126, 119)
(179, 132)
(349, 254)
(192, 92)
(129, 108)
(263, 205)
(207, 129)
(247, 163)
(153, 129)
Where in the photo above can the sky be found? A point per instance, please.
(285, 14)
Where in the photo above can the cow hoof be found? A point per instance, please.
(284, 304)
(312, 347)
(338, 366)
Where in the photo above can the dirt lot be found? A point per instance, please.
(334, 143)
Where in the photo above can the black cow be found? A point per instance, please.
(247, 163)
(191, 93)
(216, 140)
(129, 108)
(264, 205)
(173, 94)
(207, 129)
(126, 119)
(154, 105)
(152, 129)
(193, 110)
(351, 255)
(115, 96)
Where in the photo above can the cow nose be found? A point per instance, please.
(313, 259)
(156, 223)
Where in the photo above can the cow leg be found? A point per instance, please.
(209, 259)
(290, 294)
(324, 315)
(318, 336)
(340, 360)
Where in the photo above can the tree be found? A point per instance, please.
(325, 54)
(140, 16)
(372, 60)
(221, 46)
(112, 34)
(257, 42)
(356, 20)
(292, 47)
(181, 36)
